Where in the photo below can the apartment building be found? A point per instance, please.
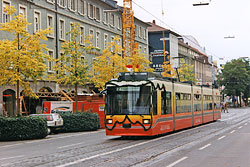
(179, 47)
(101, 19)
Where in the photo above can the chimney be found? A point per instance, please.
(153, 21)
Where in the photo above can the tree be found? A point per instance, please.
(109, 64)
(139, 62)
(23, 58)
(71, 68)
(168, 69)
(186, 72)
(234, 77)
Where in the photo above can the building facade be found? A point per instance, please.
(102, 19)
(156, 36)
(179, 48)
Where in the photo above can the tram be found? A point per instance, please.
(145, 104)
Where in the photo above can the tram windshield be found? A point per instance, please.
(128, 100)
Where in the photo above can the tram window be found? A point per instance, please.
(169, 106)
(163, 103)
(210, 106)
(154, 101)
(177, 96)
(179, 108)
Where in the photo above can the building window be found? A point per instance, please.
(119, 22)
(119, 43)
(37, 21)
(98, 40)
(145, 50)
(61, 29)
(82, 35)
(97, 14)
(51, 1)
(91, 36)
(113, 47)
(50, 63)
(50, 24)
(71, 28)
(72, 5)
(140, 49)
(136, 30)
(145, 34)
(23, 10)
(82, 7)
(62, 3)
(105, 41)
(90, 11)
(105, 18)
(140, 32)
(5, 16)
(112, 19)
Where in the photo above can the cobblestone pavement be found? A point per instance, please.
(95, 149)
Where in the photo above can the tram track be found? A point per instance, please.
(178, 147)
(153, 149)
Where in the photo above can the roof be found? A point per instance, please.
(156, 28)
(113, 4)
(191, 41)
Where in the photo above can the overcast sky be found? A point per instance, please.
(208, 24)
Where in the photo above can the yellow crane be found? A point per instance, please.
(128, 28)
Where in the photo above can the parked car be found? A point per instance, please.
(54, 121)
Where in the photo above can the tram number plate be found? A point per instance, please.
(126, 126)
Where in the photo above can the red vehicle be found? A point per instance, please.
(95, 106)
(143, 104)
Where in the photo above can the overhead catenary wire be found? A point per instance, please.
(173, 29)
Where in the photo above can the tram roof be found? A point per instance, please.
(141, 76)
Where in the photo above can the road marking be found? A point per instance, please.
(45, 139)
(71, 145)
(204, 146)
(176, 162)
(232, 131)
(240, 127)
(245, 124)
(221, 137)
(11, 145)
(11, 157)
(135, 145)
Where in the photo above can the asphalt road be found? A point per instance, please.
(222, 143)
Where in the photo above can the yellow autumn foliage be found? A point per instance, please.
(23, 58)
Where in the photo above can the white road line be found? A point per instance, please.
(11, 157)
(240, 127)
(71, 145)
(204, 146)
(176, 162)
(135, 145)
(245, 124)
(221, 137)
(232, 131)
(55, 138)
(11, 145)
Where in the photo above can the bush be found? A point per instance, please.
(22, 128)
(79, 122)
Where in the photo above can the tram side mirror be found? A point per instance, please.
(103, 92)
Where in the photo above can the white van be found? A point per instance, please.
(54, 121)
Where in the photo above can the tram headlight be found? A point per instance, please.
(109, 121)
(146, 121)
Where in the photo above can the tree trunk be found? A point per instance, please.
(76, 99)
(18, 98)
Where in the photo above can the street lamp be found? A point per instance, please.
(229, 37)
(201, 3)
